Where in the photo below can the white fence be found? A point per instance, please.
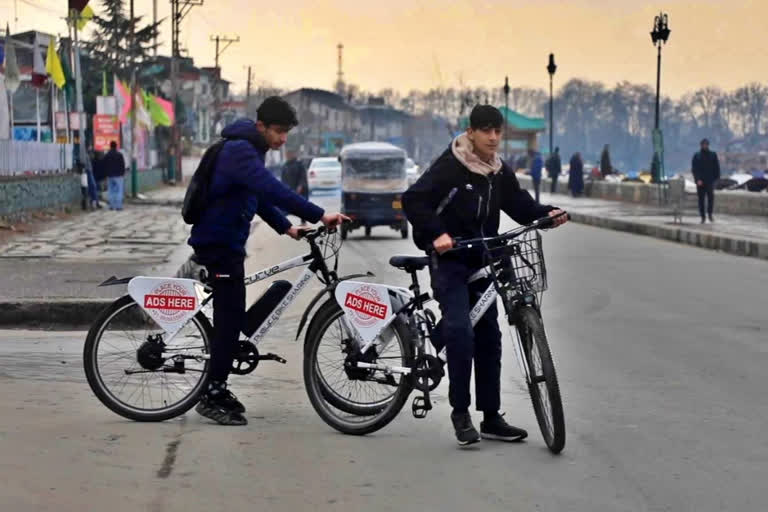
(25, 157)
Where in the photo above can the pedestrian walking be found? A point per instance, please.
(576, 175)
(706, 171)
(536, 166)
(93, 183)
(554, 168)
(294, 176)
(83, 187)
(605, 162)
(462, 195)
(114, 168)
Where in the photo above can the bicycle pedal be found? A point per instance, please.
(420, 407)
(272, 357)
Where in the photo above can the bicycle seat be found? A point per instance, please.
(409, 263)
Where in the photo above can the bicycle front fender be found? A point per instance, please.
(328, 289)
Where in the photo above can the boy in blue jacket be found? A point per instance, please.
(240, 188)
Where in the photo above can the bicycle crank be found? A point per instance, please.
(428, 372)
(247, 358)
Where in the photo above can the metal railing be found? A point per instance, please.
(30, 158)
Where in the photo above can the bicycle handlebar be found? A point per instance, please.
(542, 223)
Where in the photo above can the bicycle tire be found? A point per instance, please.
(531, 330)
(107, 397)
(322, 399)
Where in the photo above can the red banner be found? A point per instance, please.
(106, 128)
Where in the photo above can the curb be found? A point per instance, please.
(731, 245)
(51, 314)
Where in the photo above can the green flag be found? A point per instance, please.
(156, 111)
(69, 86)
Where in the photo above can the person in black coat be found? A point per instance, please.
(113, 165)
(576, 175)
(554, 168)
(294, 176)
(461, 195)
(706, 171)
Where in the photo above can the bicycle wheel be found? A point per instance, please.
(543, 386)
(359, 405)
(125, 367)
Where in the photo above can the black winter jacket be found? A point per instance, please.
(706, 167)
(449, 198)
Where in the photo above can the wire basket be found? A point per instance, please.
(520, 264)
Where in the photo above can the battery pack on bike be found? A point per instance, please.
(264, 305)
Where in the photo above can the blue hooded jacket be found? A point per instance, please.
(242, 187)
(536, 164)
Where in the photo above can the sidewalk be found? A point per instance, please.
(739, 235)
(51, 276)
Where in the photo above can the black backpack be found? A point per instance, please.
(196, 198)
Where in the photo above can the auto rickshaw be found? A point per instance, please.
(373, 179)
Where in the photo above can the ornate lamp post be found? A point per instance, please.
(551, 68)
(659, 36)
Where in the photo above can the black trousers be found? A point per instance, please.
(537, 188)
(227, 270)
(706, 192)
(465, 344)
(554, 184)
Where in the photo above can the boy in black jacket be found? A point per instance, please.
(461, 195)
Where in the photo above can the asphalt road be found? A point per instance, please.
(661, 350)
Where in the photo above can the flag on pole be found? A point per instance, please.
(142, 114)
(83, 12)
(159, 114)
(12, 74)
(123, 98)
(86, 15)
(53, 66)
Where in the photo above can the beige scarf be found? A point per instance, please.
(462, 149)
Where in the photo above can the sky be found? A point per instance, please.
(421, 44)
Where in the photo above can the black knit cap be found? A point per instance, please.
(485, 116)
(275, 110)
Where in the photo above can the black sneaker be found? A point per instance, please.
(711, 218)
(497, 428)
(466, 433)
(228, 400)
(211, 408)
(221, 405)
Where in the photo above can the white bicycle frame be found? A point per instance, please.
(296, 288)
(481, 307)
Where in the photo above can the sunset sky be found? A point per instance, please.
(406, 44)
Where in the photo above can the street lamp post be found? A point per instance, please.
(551, 68)
(659, 36)
(506, 114)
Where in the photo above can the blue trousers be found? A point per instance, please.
(115, 192)
(464, 343)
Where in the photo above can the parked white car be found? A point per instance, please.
(324, 173)
(411, 171)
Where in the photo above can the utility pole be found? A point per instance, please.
(154, 22)
(179, 9)
(219, 39)
(132, 50)
(248, 89)
(223, 39)
(73, 18)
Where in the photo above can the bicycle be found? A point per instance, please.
(366, 317)
(146, 355)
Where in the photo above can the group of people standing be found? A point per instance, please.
(554, 168)
(109, 168)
